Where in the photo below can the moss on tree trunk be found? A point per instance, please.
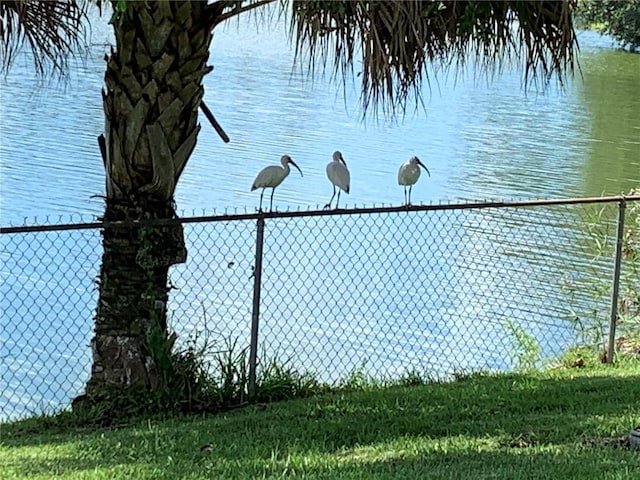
(153, 88)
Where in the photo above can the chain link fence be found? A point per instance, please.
(434, 290)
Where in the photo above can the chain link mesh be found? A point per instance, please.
(383, 293)
(47, 305)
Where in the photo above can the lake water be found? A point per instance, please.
(480, 140)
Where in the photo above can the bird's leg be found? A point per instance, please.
(338, 199)
(410, 187)
(260, 209)
(328, 205)
(405, 195)
(271, 202)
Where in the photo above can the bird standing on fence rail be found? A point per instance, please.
(409, 174)
(272, 176)
(338, 174)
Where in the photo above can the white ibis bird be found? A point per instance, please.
(338, 174)
(409, 174)
(272, 176)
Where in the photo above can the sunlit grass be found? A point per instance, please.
(562, 423)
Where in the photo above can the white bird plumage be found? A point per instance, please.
(272, 176)
(339, 176)
(409, 174)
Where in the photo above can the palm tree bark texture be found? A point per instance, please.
(153, 90)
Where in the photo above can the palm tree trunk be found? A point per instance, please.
(153, 90)
(131, 346)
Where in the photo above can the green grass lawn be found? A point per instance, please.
(562, 423)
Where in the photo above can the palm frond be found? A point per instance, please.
(53, 30)
(396, 41)
(223, 10)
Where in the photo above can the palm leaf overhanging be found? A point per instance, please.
(397, 41)
(53, 29)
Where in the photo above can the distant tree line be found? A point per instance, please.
(618, 18)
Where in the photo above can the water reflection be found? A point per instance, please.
(611, 93)
(430, 291)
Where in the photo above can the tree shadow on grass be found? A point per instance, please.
(430, 461)
(521, 419)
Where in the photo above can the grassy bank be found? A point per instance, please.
(562, 423)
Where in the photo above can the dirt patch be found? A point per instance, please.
(629, 346)
(615, 442)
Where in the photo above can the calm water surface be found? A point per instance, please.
(480, 140)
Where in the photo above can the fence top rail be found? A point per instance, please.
(318, 213)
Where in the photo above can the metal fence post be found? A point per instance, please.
(616, 281)
(255, 314)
